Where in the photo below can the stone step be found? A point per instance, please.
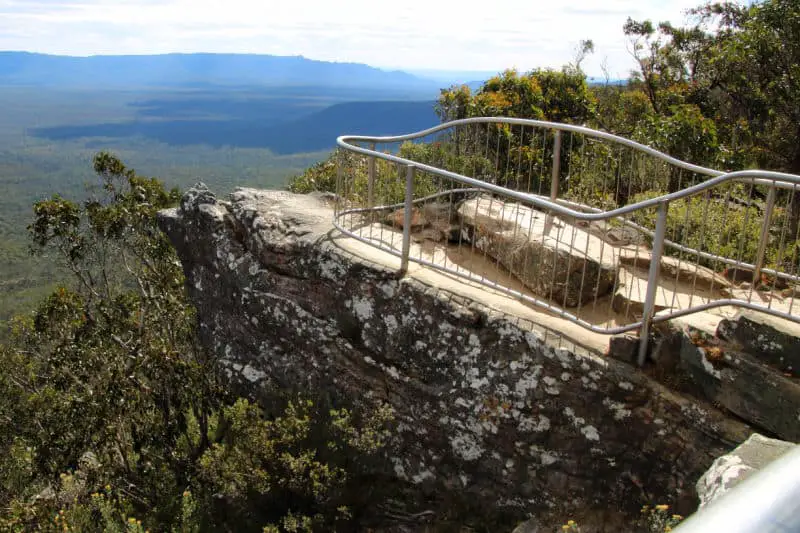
(691, 274)
(676, 290)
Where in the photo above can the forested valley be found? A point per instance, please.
(113, 417)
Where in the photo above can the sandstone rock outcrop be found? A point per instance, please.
(672, 268)
(486, 410)
(774, 341)
(740, 382)
(553, 258)
(430, 221)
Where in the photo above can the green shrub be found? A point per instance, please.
(390, 179)
(112, 416)
(711, 224)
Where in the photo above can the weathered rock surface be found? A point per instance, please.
(732, 379)
(555, 260)
(396, 218)
(485, 410)
(731, 469)
(773, 340)
(696, 276)
(431, 221)
(616, 236)
(680, 284)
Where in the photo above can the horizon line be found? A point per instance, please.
(407, 70)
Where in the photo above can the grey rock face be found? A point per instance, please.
(741, 383)
(731, 469)
(554, 259)
(774, 341)
(486, 411)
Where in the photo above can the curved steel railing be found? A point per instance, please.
(576, 212)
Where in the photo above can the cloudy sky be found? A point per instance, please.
(411, 34)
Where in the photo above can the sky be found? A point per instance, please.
(411, 34)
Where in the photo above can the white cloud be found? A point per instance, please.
(443, 34)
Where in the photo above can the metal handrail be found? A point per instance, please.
(761, 177)
(699, 253)
(570, 210)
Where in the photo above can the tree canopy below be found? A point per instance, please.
(112, 415)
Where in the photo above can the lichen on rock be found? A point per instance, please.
(486, 410)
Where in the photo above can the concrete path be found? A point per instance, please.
(681, 285)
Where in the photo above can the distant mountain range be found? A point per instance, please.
(451, 77)
(195, 70)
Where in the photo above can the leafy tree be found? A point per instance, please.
(620, 110)
(112, 417)
(725, 90)
(754, 62)
(662, 75)
(558, 96)
(584, 49)
(740, 65)
(455, 103)
(389, 187)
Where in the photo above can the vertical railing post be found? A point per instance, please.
(556, 174)
(371, 179)
(764, 237)
(408, 206)
(339, 183)
(652, 280)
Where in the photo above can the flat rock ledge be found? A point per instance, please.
(551, 257)
(714, 370)
(774, 341)
(486, 413)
